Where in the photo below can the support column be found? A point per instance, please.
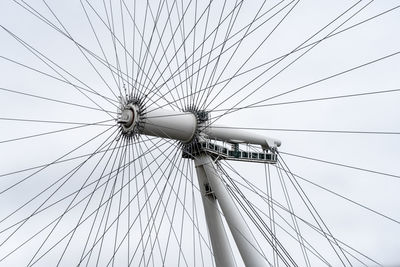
(241, 233)
(219, 240)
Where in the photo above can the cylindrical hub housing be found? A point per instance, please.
(170, 124)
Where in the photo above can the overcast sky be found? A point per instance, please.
(360, 130)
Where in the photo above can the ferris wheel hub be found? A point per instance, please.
(129, 119)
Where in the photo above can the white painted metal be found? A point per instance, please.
(239, 136)
(170, 124)
(219, 240)
(244, 239)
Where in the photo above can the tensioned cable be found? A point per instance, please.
(260, 193)
(341, 165)
(317, 217)
(313, 83)
(46, 61)
(87, 217)
(303, 47)
(38, 15)
(52, 99)
(37, 233)
(308, 130)
(55, 131)
(293, 61)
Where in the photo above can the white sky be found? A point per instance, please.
(369, 233)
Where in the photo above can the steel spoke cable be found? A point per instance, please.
(286, 258)
(36, 14)
(182, 33)
(169, 166)
(87, 203)
(60, 161)
(258, 46)
(46, 61)
(294, 221)
(175, 50)
(174, 209)
(271, 211)
(202, 45)
(39, 209)
(258, 226)
(335, 239)
(108, 206)
(180, 97)
(120, 199)
(80, 49)
(50, 164)
(165, 52)
(193, 48)
(253, 188)
(87, 217)
(299, 102)
(56, 122)
(183, 206)
(111, 25)
(138, 203)
(40, 231)
(70, 174)
(159, 87)
(313, 100)
(149, 207)
(168, 45)
(314, 213)
(94, 190)
(160, 202)
(233, 45)
(163, 255)
(311, 249)
(99, 43)
(128, 204)
(229, 29)
(32, 262)
(164, 214)
(309, 130)
(343, 197)
(100, 123)
(210, 82)
(133, 92)
(52, 99)
(310, 84)
(341, 165)
(72, 193)
(183, 41)
(67, 35)
(124, 48)
(154, 29)
(293, 61)
(304, 47)
(183, 212)
(138, 190)
(300, 48)
(141, 33)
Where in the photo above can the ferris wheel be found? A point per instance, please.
(199, 133)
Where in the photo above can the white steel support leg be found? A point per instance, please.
(219, 240)
(244, 240)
